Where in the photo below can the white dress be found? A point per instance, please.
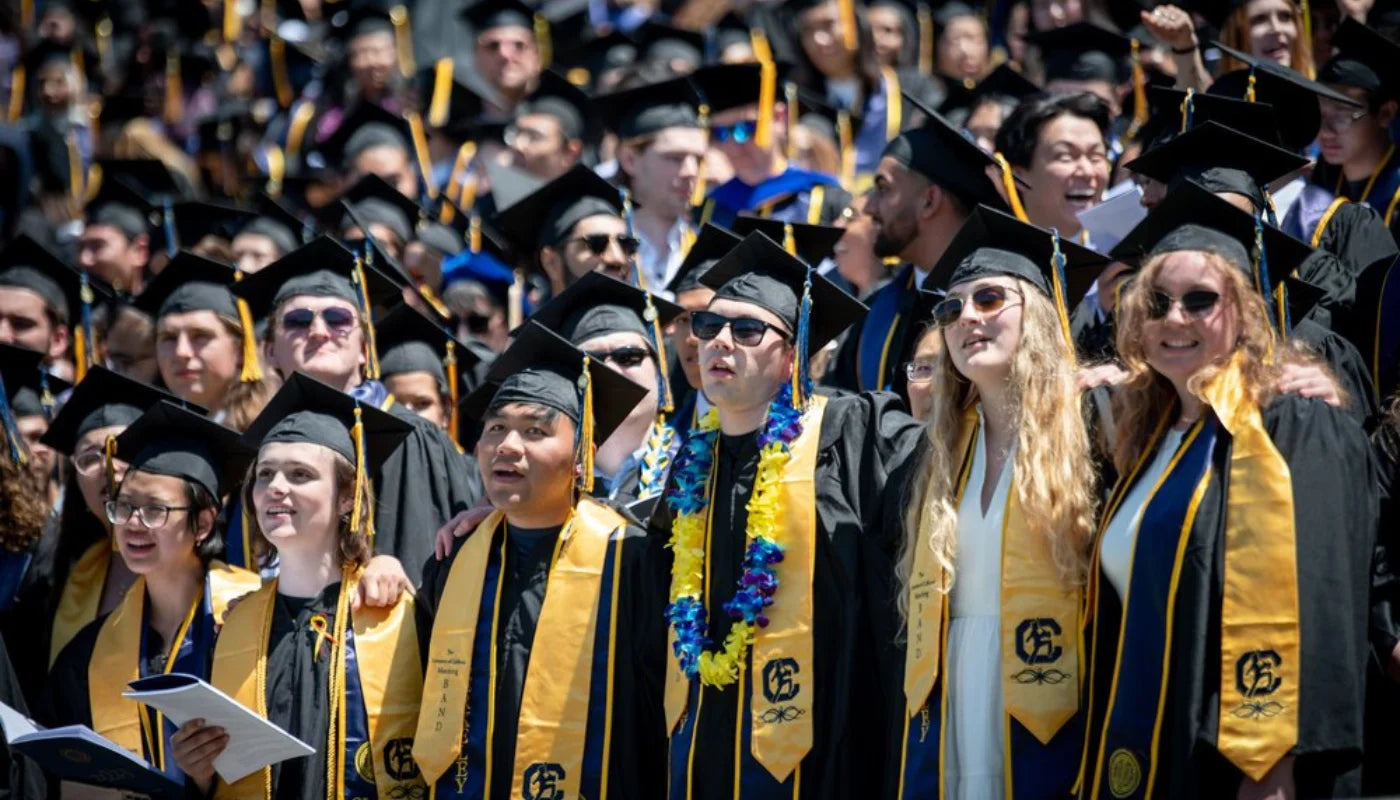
(1120, 537)
(973, 755)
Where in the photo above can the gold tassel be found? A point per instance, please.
(585, 437)
(104, 39)
(790, 97)
(252, 369)
(75, 57)
(17, 87)
(1008, 182)
(281, 83)
(276, 170)
(109, 460)
(1061, 298)
(1249, 88)
(758, 40)
(1305, 11)
(76, 194)
(465, 154)
(174, 89)
(357, 437)
(544, 43)
(894, 110)
(850, 34)
(1139, 91)
(95, 119)
(767, 96)
(474, 232)
(789, 241)
(26, 15)
(431, 298)
(515, 301)
(248, 529)
(403, 39)
(233, 24)
(451, 363)
(697, 193)
(926, 39)
(440, 106)
(846, 142)
(1186, 104)
(80, 365)
(420, 149)
(371, 347)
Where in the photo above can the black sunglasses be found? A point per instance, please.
(301, 319)
(597, 243)
(1193, 303)
(987, 300)
(747, 331)
(626, 357)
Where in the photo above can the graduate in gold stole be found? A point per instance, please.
(984, 663)
(771, 681)
(545, 661)
(1230, 579)
(343, 677)
(165, 523)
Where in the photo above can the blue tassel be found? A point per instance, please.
(172, 245)
(13, 440)
(804, 333)
(1261, 260)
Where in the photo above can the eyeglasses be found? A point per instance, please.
(1341, 123)
(625, 357)
(474, 322)
(738, 133)
(152, 515)
(1193, 304)
(89, 462)
(747, 331)
(986, 301)
(338, 320)
(597, 243)
(918, 371)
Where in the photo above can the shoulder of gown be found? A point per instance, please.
(64, 700)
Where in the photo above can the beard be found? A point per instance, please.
(890, 242)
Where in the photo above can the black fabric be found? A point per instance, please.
(597, 304)
(26, 382)
(21, 778)
(545, 216)
(306, 410)
(321, 268)
(710, 246)
(26, 264)
(992, 242)
(169, 440)
(915, 315)
(939, 151)
(189, 283)
(298, 689)
(651, 108)
(102, 399)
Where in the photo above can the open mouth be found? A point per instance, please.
(506, 473)
(140, 546)
(1081, 199)
(721, 370)
(279, 513)
(1178, 345)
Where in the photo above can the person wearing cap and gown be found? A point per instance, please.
(116, 243)
(771, 674)
(318, 299)
(46, 304)
(573, 225)
(30, 396)
(423, 366)
(165, 517)
(341, 676)
(547, 648)
(553, 129)
(620, 325)
(691, 295)
(1229, 585)
(980, 631)
(506, 52)
(662, 139)
(372, 142)
(1085, 57)
(929, 180)
(273, 233)
(988, 104)
(372, 207)
(744, 103)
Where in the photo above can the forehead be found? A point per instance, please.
(523, 412)
(1187, 267)
(300, 452)
(730, 116)
(188, 319)
(1071, 128)
(599, 223)
(316, 303)
(681, 138)
(149, 483)
(16, 298)
(505, 34)
(417, 383)
(546, 123)
(613, 341)
(738, 308)
(96, 437)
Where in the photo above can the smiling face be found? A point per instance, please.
(526, 453)
(1273, 28)
(331, 354)
(1182, 343)
(982, 345)
(744, 377)
(171, 545)
(296, 498)
(199, 356)
(1068, 172)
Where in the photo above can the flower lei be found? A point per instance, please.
(656, 459)
(690, 498)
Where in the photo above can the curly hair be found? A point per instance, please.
(1052, 453)
(1146, 396)
(354, 544)
(23, 511)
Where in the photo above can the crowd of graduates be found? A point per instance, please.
(712, 399)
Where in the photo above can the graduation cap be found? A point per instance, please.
(946, 156)
(555, 96)
(368, 125)
(644, 110)
(486, 261)
(147, 175)
(666, 44)
(1221, 159)
(26, 264)
(541, 368)
(1082, 52)
(1006, 81)
(103, 399)
(992, 242)
(307, 411)
(276, 222)
(321, 268)
(445, 239)
(584, 63)
(597, 304)
(1175, 110)
(119, 205)
(447, 103)
(712, 244)
(811, 243)
(411, 342)
(171, 440)
(1365, 59)
(1266, 81)
(726, 86)
(373, 200)
(195, 220)
(28, 387)
(193, 283)
(485, 15)
(839, 125)
(729, 31)
(545, 216)
(362, 19)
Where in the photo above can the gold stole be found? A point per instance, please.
(82, 596)
(116, 655)
(1040, 618)
(386, 653)
(1260, 654)
(780, 697)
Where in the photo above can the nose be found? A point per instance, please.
(277, 487)
(7, 333)
(509, 444)
(690, 167)
(319, 328)
(613, 256)
(183, 348)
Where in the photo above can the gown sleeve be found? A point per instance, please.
(64, 700)
(638, 748)
(22, 778)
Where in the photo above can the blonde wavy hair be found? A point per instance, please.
(1146, 396)
(1053, 453)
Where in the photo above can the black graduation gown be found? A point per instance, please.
(637, 755)
(418, 489)
(915, 312)
(1335, 511)
(21, 778)
(1380, 771)
(298, 688)
(862, 438)
(1094, 336)
(1357, 236)
(1346, 364)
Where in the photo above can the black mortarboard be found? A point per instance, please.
(1006, 81)
(450, 104)
(584, 63)
(102, 399)
(171, 440)
(445, 239)
(545, 216)
(321, 268)
(811, 243)
(46, 51)
(730, 30)
(1221, 159)
(28, 386)
(1082, 52)
(1285, 89)
(710, 246)
(361, 20)
(412, 342)
(487, 14)
(1172, 114)
(647, 109)
(1365, 59)
(541, 368)
(121, 206)
(189, 283)
(945, 155)
(726, 86)
(276, 222)
(147, 175)
(555, 96)
(195, 220)
(26, 264)
(758, 270)
(368, 125)
(992, 242)
(664, 44)
(308, 411)
(374, 200)
(597, 304)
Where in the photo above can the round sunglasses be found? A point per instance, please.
(986, 300)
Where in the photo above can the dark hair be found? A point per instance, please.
(23, 510)
(551, 414)
(78, 530)
(200, 500)
(1019, 133)
(806, 74)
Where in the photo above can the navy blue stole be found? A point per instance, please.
(237, 547)
(877, 332)
(358, 759)
(191, 657)
(1384, 367)
(1383, 193)
(470, 776)
(1125, 761)
(754, 781)
(13, 567)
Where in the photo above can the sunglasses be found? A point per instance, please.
(738, 133)
(625, 357)
(1193, 304)
(338, 320)
(746, 331)
(987, 300)
(597, 243)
